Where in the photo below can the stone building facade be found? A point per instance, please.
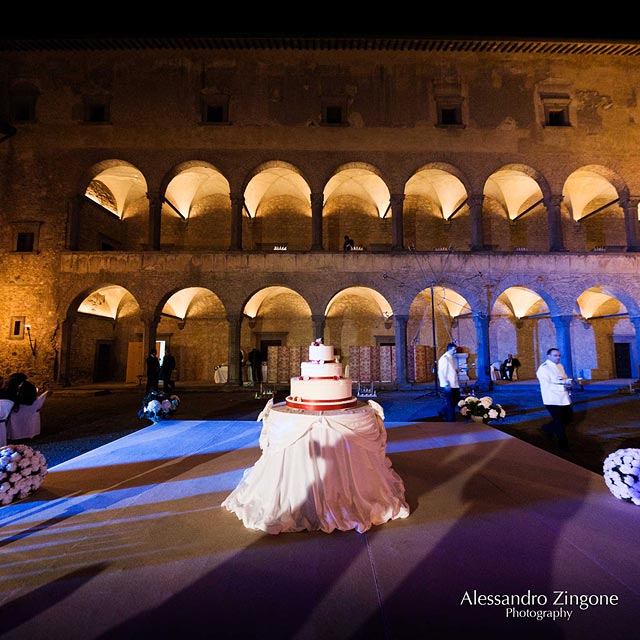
(195, 194)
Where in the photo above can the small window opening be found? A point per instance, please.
(25, 241)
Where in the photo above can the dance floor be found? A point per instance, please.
(130, 541)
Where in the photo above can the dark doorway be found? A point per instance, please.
(102, 367)
(622, 352)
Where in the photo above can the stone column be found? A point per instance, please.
(401, 351)
(317, 202)
(554, 221)
(318, 325)
(155, 221)
(636, 325)
(397, 222)
(629, 205)
(237, 206)
(235, 323)
(563, 341)
(481, 323)
(475, 202)
(150, 333)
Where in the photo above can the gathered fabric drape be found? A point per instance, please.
(320, 470)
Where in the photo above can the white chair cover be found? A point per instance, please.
(5, 411)
(26, 422)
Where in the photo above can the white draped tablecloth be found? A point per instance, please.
(221, 374)
(320, 470)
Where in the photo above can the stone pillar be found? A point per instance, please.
(554, 221)
(401, 351)
(235, 324)
(155, 221)
(629, 205)
(317, 202)
(397, 222)
(481, 323)
(318, 325)
(475, 202)
(636, 325)
(237, 206)
(150, 333)
(73, 218)
(563, 341)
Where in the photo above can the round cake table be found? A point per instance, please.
(320, 470)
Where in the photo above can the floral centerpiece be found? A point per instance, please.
(22, 470)
(158, 405)
(622, 474)
(481, 409)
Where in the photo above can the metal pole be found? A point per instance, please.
(435, 345)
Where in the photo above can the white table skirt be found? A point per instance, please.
(221, 374)
(320, 470)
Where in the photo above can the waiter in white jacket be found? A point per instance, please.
(554, 387)
(448, 379)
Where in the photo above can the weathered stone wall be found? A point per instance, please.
(275, 102)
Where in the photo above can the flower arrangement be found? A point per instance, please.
(157, 405)
(483, 409)
(622, 474)
(22, 470)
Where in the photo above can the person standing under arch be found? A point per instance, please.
(153, 371)
(448, 379)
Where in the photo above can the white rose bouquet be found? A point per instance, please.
(622, 474)
(483, 409)
(157, 405)
(22, 470)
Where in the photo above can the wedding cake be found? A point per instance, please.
(320, 385)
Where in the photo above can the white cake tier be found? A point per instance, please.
(321, 352)
(315, 393)
(324, 370)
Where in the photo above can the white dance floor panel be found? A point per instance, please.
(130, 541)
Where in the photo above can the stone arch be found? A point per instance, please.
(196, 207)
(591, 198)
(359, 316)
(193, 324)
(606, 333)
(101, 322)
(435, 210)
(277, 204)
(112, 210)
(357, 203)
(514, 209)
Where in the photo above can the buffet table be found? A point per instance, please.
(320, 470)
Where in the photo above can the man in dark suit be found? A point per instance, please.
(255, 360)
(508, 367)
(153, 371)
(168, 365)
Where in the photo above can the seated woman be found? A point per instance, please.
(17, 388)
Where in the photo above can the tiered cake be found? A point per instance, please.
(320, 386)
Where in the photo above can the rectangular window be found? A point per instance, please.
(16, 330)
(334, 112)
(23, 110)
(25, 241)
(215, 109)
(556, 109)
(448, 116)
(557, 118)
(333, 115)
(96, 112)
